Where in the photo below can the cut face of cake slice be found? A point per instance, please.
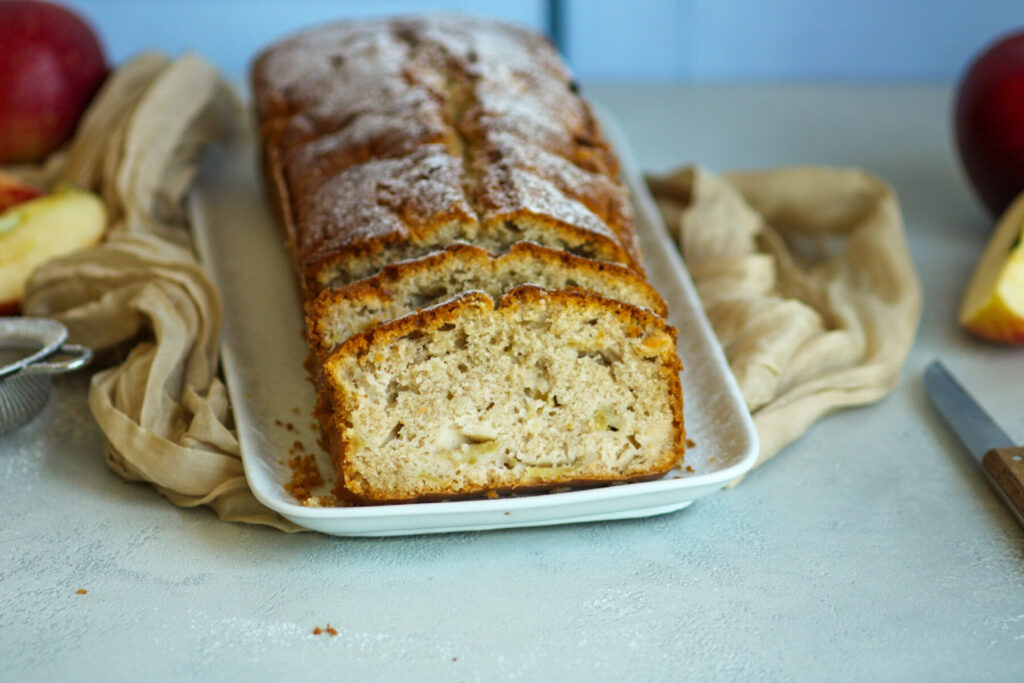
(545, 389)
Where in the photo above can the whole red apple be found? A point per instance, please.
(990, 122)
(51, 64)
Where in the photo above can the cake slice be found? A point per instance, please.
(544, 389)
(405, 287)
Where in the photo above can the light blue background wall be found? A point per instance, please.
(921, 40)
(230, 32)
(849, 40)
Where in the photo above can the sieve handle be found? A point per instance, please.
(79, 358)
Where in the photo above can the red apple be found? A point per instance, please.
(14, 191)
(51, 64)
(990, 122)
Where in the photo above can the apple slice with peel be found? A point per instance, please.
(993, 307)
(37, 230)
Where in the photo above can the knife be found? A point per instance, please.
(1001, 461)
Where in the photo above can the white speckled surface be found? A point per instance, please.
(869, 549)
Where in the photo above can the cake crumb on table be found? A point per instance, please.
(329, 630)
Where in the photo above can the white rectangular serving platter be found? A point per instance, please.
(263, 353)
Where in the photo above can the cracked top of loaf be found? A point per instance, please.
(476, 124)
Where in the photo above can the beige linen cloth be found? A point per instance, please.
(803, 335)
(163, 410)
(806, 278)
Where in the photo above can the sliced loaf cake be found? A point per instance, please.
(476, 307)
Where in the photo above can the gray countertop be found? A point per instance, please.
(871, 548)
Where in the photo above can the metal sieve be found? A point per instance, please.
(27, 349)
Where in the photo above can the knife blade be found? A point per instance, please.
(1000, 460)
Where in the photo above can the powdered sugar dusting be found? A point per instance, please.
(296, 73)
(365, 100)
(505, 192)
(603, 196)
(388, 199)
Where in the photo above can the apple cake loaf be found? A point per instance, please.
(477, 311)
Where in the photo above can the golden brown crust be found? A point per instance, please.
(376, 291)
(357, 213)
(317, 73)
(604, 196)
(549, 118)
(373, 136)
(343, 99)
(351, 498)
(377, 286)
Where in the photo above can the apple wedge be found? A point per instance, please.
(993, 307)
(37, 230)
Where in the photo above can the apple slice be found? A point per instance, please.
(37, 230)
(13, 191)
(993, 307)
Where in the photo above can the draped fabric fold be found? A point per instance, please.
(163, 409)
(805, 275)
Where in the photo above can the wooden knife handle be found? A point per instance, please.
(1006, 468)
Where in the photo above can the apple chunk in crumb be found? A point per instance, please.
(993, 307)
(40, 229)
